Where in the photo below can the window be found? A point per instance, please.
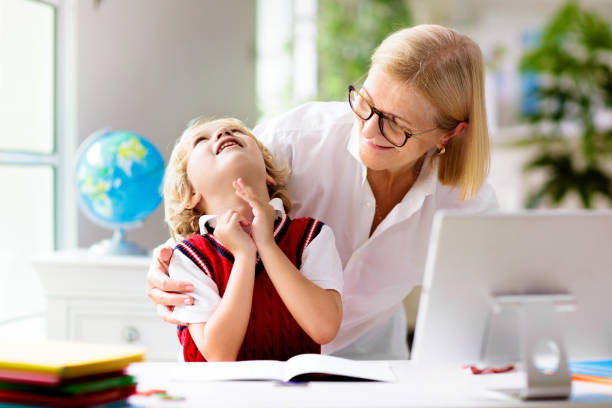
(31, 165)
(286, 55)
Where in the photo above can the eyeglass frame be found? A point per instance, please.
(381, 116)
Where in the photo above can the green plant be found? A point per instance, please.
(572, 60)
(348, 31)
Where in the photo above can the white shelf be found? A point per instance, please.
(101, 298)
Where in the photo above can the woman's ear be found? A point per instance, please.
(270, 180)
(447, 136)
(195, 200)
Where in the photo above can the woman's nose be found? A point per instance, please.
(370, 128)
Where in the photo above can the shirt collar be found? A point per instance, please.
(353, 148)
(427, 181)
(211, 219)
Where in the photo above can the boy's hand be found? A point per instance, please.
(230, 231)
(262, 229)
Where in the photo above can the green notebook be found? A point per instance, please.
(73, 388)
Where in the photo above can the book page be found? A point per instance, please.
(330, 365)
(232, 370)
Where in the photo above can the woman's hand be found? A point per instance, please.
(164, 292)
(230, 231)
(262, 229)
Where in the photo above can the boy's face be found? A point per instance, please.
(221, 152)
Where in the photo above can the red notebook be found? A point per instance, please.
(72, 401)
(51, 380)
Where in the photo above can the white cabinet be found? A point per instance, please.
(101, 298)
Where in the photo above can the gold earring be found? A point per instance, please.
(442, 151)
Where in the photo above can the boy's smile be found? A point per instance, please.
(227, 142)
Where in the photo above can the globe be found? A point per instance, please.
(118, 180)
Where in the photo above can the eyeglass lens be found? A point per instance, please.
(390, 130)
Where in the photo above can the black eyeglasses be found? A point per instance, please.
(389, 128)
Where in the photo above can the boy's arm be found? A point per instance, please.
(318, 311)
(220, 338)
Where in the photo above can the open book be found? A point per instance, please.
(303, 367)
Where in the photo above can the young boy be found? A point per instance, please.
(265, 286)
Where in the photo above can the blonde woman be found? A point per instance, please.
(412, 140)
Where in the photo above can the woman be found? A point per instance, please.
(412, 140)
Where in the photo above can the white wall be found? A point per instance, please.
(151, 65)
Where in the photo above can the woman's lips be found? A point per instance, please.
(375, 146)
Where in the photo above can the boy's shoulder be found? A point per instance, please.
(307, 227)
(197, 247)
(196, 239)
(306, 220)
(205, 252)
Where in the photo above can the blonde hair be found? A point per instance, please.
(178, 190)
(446, 68)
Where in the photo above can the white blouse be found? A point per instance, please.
(319, 142)
(320, 264)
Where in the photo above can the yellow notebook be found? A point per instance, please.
(66, 359)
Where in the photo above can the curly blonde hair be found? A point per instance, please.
(178, 190)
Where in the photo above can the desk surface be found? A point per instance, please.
(452, 388)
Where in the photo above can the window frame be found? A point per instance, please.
(64, 126)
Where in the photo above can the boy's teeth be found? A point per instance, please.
(226, 144)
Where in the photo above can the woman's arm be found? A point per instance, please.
(163, 291)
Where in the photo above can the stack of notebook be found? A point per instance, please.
(592, 371)
(65, 374)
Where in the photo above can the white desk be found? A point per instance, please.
(414, 389)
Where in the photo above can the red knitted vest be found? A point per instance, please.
(272, 332)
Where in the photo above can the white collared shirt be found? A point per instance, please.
(319, 141)
(320, 264)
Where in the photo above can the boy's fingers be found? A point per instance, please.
(243, 221)
(247, 189)
(249, 198)
(243, 188)
(232, 220)
(240, 192)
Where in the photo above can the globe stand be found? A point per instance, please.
(117, 245)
